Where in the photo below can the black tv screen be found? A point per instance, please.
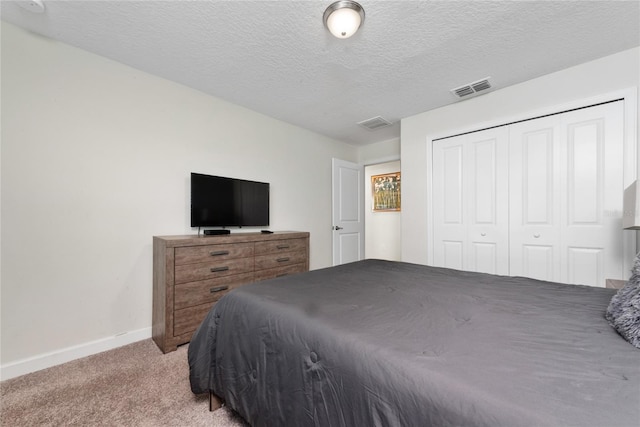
(225, 202)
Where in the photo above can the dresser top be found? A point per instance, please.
(195, 240)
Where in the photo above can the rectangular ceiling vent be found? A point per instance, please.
(472, 88)
(375, 123)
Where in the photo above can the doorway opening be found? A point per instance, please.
(382, 226)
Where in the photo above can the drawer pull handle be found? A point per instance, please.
(218, 289)
(218, 253)
(285, 259)
(217, 269)
(283, 246)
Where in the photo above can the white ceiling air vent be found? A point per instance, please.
(472, 88)
(375, 123)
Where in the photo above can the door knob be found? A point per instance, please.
(335, 227)
(483, 234)
(536, 236)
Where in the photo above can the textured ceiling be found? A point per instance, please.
(275, 57)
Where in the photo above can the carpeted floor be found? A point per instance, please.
(134, 385)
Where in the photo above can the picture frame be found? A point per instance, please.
(386, 192)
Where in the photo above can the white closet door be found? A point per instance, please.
(535, 197)
(450, 231)
(471, 202)
(592, 242)
(566, 194)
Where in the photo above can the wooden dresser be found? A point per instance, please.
(191, 273)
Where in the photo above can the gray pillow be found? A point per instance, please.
(623, 312)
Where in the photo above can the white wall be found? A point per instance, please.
(379, 152)
(613, 73)
(96, 159)
(382, 229)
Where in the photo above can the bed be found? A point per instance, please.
(382, 343)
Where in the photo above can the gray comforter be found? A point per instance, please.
(396, 344)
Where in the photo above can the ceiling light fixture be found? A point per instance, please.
(343, 18)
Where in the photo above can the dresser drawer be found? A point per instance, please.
(199, 254)
(278, 246)
(188, 319)
(194, 293)
(212, 269)
(280, 259)
(272, 273)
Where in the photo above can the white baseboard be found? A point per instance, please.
(58, 357)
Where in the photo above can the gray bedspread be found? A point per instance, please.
(379, 343)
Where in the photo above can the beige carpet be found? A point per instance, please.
(134, 385)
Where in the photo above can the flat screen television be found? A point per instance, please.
(217, 201)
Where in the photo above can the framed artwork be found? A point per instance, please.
(385, 192)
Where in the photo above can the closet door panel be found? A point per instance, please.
(483, 182)
(470, 197)
(585, 167)
(488, 181)
(452, 253)
(484, 258)
(537, 262)
(452, 186)
(538, 180)
(592, 237)
(449, 232)
(585, 266)
(534, 194)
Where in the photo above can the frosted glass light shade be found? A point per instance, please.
(343, 18)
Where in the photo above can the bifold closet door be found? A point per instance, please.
(566, 178)
(470, 202)
(535, 197)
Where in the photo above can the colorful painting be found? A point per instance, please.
(385, 191)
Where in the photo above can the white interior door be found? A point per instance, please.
(347, 211)
(470, 197)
